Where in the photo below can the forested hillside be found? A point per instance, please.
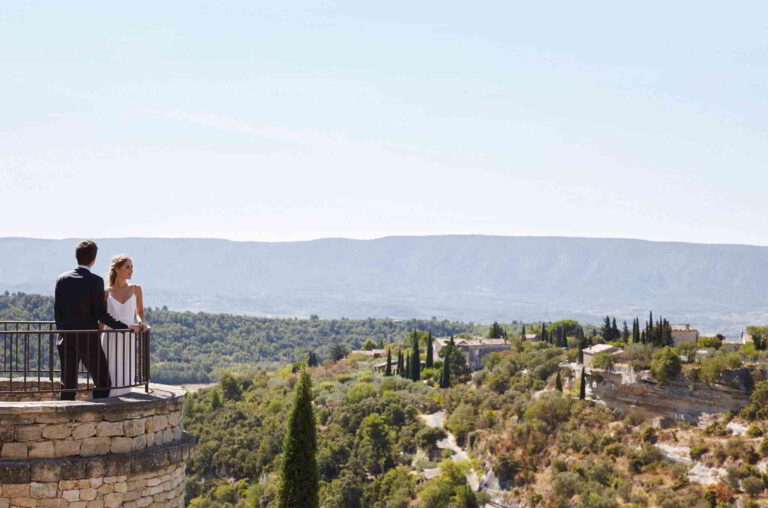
(187, 347)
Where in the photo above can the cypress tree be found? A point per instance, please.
(407, 373)
(583, 386)
(399, 362)
(388, 372)
(522, 334)
(558, 383)
(415, 359)
(544, 337)
(430, 361)
(445, 375)
(299, 482)
(625, 333)
(615, 334)
(581, 352)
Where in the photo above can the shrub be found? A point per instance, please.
(665, 365)
(638, 356)
(713, 367)
(710, 342)
(614, 450)
(603, 361)
(550, 408)
(758, 402)
(566, 484)
(753, 485)
(506, 466)
(698, 450)
(649, 435)
(754, 430)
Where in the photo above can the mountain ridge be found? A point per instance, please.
(469, 277)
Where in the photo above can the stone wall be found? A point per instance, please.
(129, 451)
(679, 399)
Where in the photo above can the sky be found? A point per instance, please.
(283, 121)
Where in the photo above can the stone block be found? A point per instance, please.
(134, 428)
(14, 451)
(131, 495)
(79, 504)
(7, 434)
(88, 494)
(53, 503)
(159, 438)
(41, 490)
(53, 418)
(67, 484)
(96, 482)
(46, 471)
(84, 430)
(42, 450)
(5, 502)
(16, 490)
(161, 422)
(139, 442)
(121, 487)
(150, 438)
(151, 482)
(24, 502)
(168, 435)
(95, 446)
(177, 433)
(74, 468)
(83, 484)
(89, 417)
(99, 503)
(57, 431)
(109, 480)
(105, 489)
(113, 500)
(109, 429)
(144, 501)
(96, 468)
(121, 445)
(174, 418)
(66, 448)
(29, 432)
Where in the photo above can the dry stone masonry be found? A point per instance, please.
(129, 451)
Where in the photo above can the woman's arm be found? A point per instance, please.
(139, 304)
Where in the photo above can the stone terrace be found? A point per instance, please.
(124, 451)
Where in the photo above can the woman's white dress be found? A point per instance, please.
(120, 348)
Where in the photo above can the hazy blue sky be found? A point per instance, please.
(285, 120)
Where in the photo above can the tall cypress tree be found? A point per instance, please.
(445, 375)
(415, 359)
(583, 385)
(388, 372)
(625, 333)
(581, 352)
(558, 383)
(299, 479)
(430, 361)
(544, 337)
(399, 362)
(522, 334)
(407, 373)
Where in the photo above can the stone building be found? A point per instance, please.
(474, 348)
(684, 333)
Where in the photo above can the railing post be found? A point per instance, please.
(146, 361)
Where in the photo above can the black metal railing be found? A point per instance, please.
(32, 353)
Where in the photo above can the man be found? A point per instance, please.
(79, 305)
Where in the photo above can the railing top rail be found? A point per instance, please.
(27, 322)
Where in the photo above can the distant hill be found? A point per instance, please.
(469, 278)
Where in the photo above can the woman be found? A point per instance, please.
(125, 303)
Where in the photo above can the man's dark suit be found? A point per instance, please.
(80, 305)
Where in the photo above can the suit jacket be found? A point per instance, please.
(80, 302)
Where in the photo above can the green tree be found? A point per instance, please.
(665, 364)
(758, 403)
(400, 366)
(445, 375)
(230, 387)
(369, 345)
(496, 331)
(522, 333)
(415, 359)
(375, 444)
(299, 482)
(388, 372)
(407, 373)
(558, 382)
(583, 385)
(430, 353)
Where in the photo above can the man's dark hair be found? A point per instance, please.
(86, 252)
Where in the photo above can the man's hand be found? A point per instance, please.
(136, 328)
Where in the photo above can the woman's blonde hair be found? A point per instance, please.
(116, 263)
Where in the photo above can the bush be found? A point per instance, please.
(698, 450)
(506, 466)
(754, 430)
(753, 485)
(614, 450)
(550, 408)
(710, 342)
(566, 484)
(665, 365)
(758, 402)
(603, 361)
(713, 366)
